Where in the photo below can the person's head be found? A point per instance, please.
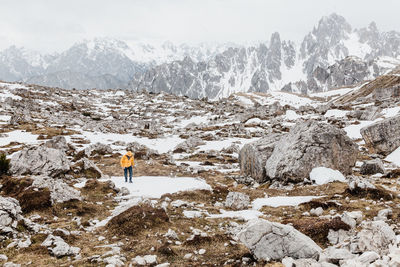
(129, 154)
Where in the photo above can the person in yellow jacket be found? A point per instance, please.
(127, 162)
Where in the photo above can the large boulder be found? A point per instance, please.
(59, 190)
(274, 241)
(309, 145)
(383, 136)
(87, 168)
(253, 156)
(141, 151)
(40, 160)
(58, 142)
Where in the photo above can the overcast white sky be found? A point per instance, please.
(54, 25)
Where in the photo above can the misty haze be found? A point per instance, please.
(200, 133)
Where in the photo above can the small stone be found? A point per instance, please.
(317, 211)
(187, 256)
(372, 167)
(237, 201)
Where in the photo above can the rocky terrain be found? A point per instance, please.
(256, 179)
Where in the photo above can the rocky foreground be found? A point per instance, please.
(256, 179)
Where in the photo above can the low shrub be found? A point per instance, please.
(4, 164)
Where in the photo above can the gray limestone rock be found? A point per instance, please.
(40, 160)
(58, 247)
(383, 136)
(98, 149)
(237, 201)
(10, 214)
(58, 142)
(334, 255)
(253, 156)
(188, 145)
(308, 145)
(372, 167)
(141, 151)
(289, 262)
(59, 190)
(87, 168)
(376, 236)
(274, 241)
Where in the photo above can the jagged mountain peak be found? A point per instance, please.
(331, 55)
(330, 30)
(333, 22)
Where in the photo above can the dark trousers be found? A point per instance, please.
(126, 173)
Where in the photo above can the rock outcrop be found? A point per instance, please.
(274, 241)
(308, 145)
(254, 156)
(292, 156)
(58, 247)
(59, 190)
(58, 142)
(98, 149)
(40, 160)
(188, 145)
(376, 236)
(383, 136)
(141, 151)
(237, 201)
(87, 168)
(10, 214)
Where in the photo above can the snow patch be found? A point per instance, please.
(148, 187)
(394, 157)
(281, 201)
(240, 214)
(323, 175)
(336, 113)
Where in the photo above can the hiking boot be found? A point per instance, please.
(130, 181)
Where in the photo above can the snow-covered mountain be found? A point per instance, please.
(331, 55)
(18, 62)
(99, 63)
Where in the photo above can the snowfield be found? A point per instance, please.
(156, 186)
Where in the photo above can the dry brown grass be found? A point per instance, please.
(371, 193)
(29, 199)
(318, 229)
(50, 132)
(136, 219)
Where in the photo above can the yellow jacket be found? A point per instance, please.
(127, 160)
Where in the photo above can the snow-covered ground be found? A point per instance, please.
(323, 175)
(18, 136)
(151, 187)
(280, 201)
(394, 157)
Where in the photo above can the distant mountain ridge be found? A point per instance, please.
(99, 63)
(332, 55)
